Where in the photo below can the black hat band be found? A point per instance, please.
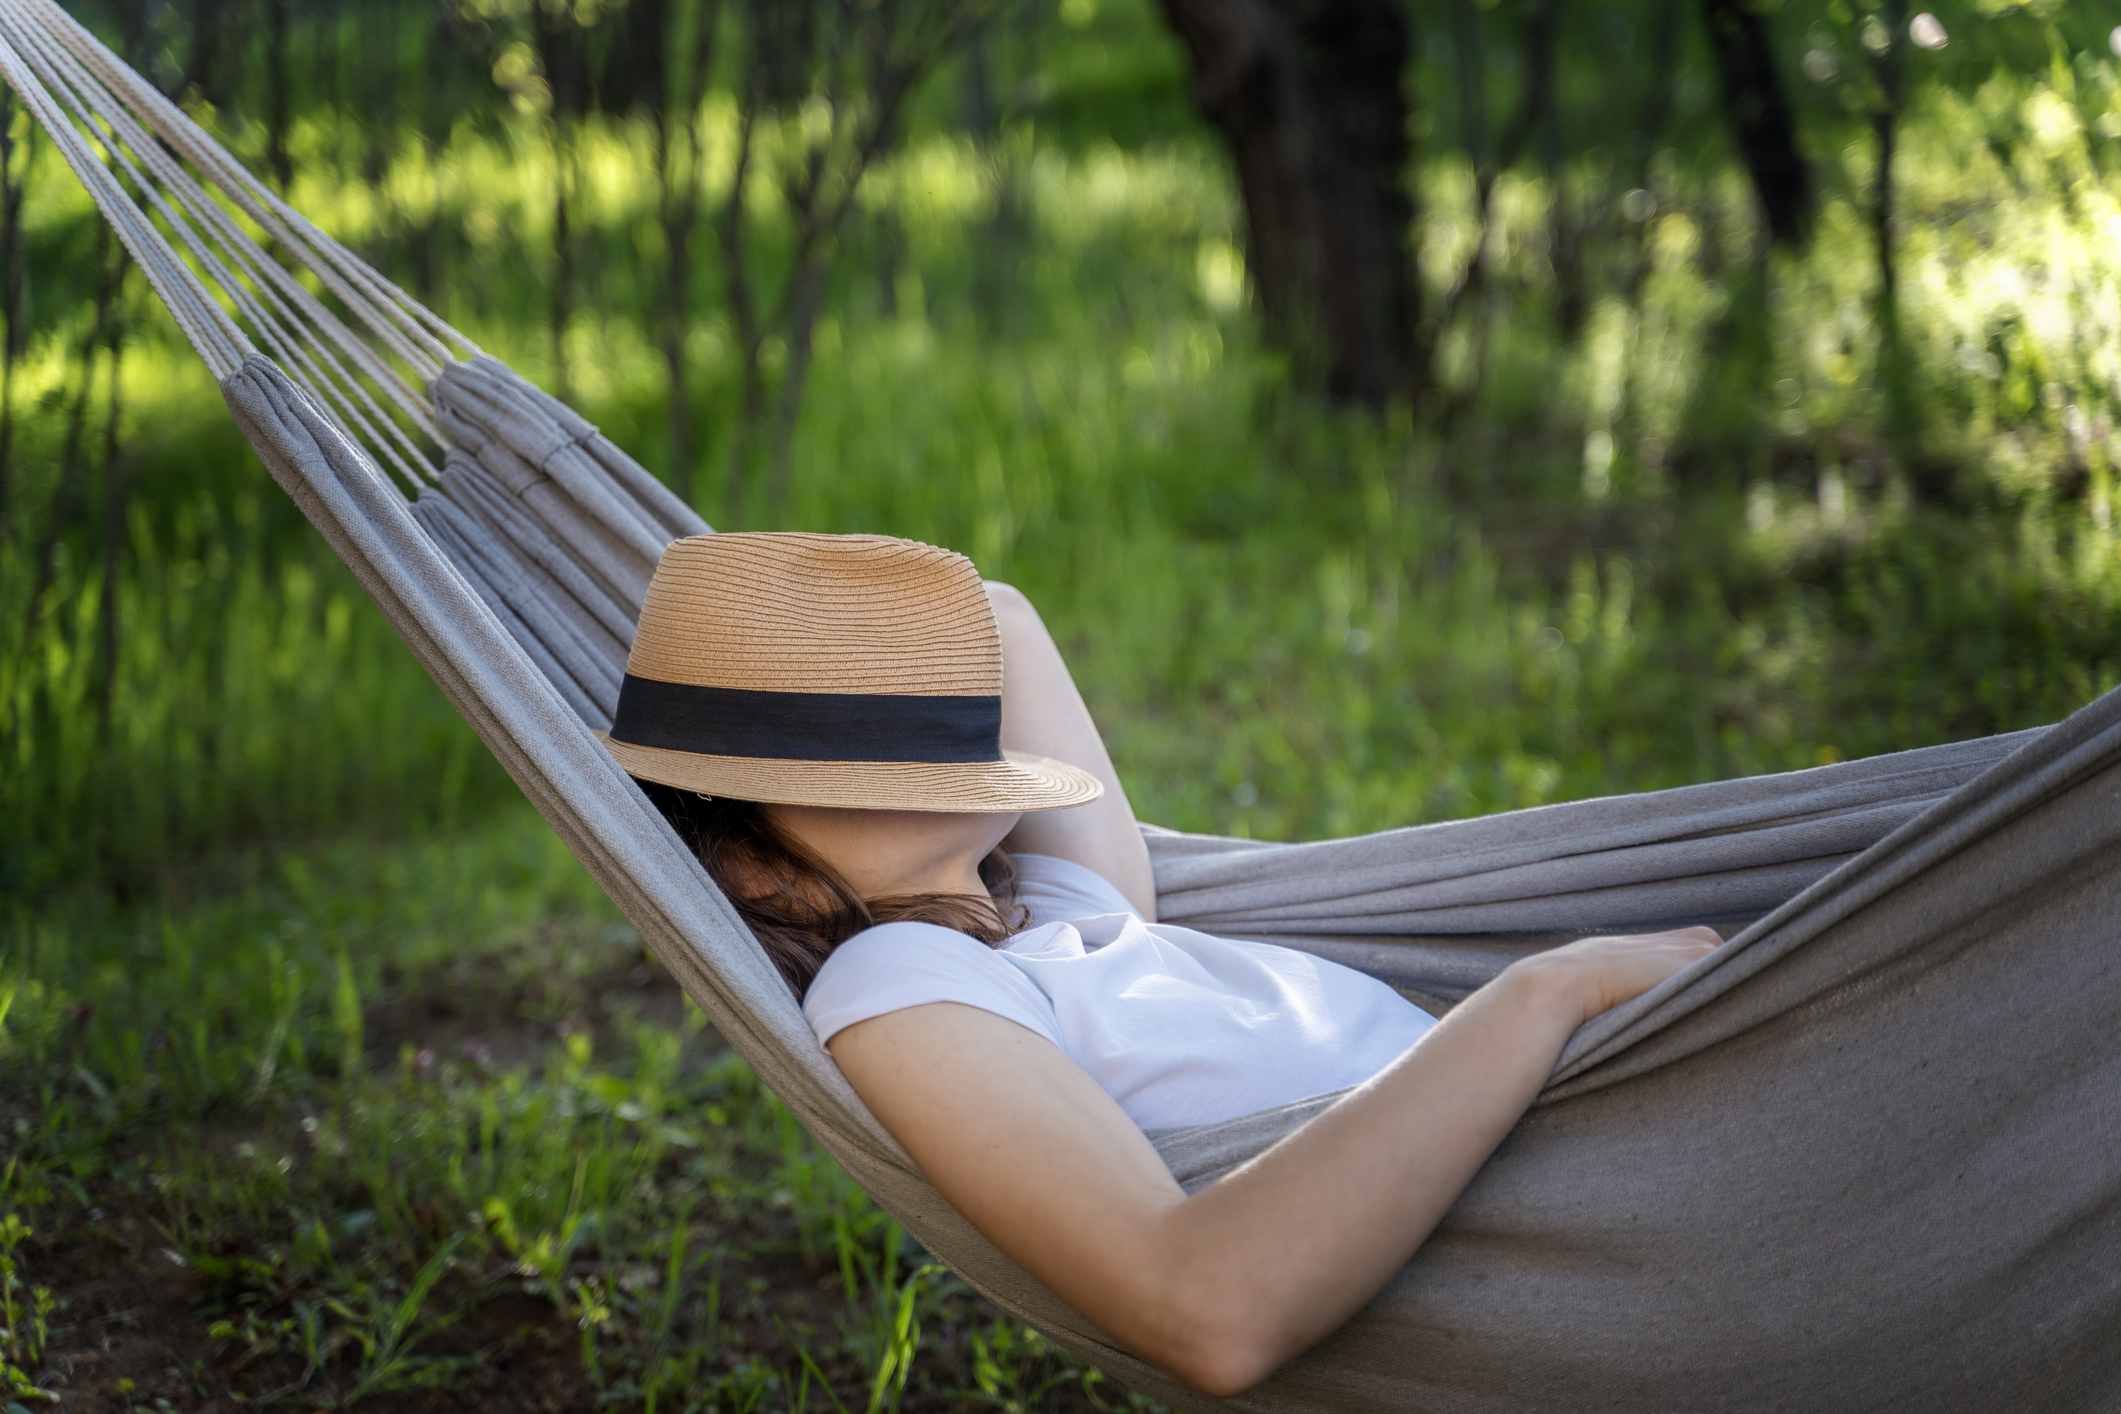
(807, 726)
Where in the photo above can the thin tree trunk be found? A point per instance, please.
(279, 96)
(1887, 68)
(677, 261)
(1759, 113)
(1469, 46)
(202, 69)
(819, 222)
(1534, 117)
(565, 84)
(1543, 118)
(994, 252)
(66, 493)
(736, 270)
(820, 196)
(562, 254)
(1656, 113)
(680, 203)
(1015, 225)
(1310, 99)
(429, 118)
(674, 88)
(114, 487)
(890, 241)
(809, 291)
(11, 340)
(1657, 98)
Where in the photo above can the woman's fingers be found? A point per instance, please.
(1613, 969)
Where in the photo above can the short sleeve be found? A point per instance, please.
(898, 965)
(1061, 891)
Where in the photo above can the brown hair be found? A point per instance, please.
(814, 910)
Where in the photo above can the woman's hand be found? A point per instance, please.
(1594, 975)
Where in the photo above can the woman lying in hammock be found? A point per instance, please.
(819, 716)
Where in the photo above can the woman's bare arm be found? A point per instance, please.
(1222, 1287)
(1042, 713)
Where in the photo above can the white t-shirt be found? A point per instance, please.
(1179, 1027)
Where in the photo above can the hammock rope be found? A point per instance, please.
(424, 341)
(56, 63)
(1859, 1158)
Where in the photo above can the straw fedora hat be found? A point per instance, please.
(851, 670)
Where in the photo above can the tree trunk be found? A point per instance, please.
(999, 249)
(11, 341)
(660, 68)
(1309, 96)
(1542, 115)
(1759, 113)
(1895, 373)
(1537, 116)
(680, 201)
(807, 293)
(880, 52)
(1469, 51)
(558, 52)
(743, 309)
(1885, 65)
(562, 253)
(67, 490)
(107, 627)
(202, 68)
(279, 95)
(888, 239)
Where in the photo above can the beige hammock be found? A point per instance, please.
(1867, 1157)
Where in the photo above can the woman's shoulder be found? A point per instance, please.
(897, 965)
(898, 948)
(1059, 890)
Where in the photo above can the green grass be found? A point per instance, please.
(440, 1096)
(320, 1058)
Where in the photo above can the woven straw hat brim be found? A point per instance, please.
(1020, 782)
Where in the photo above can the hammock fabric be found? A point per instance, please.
(1868, 1156)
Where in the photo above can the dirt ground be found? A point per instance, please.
(131, 1331)
(129, 1337)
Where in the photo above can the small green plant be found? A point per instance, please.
(1015, 1369)
(665, 1367)
(387, 1331)
(25, 1313)
(897, 1344)
(541, 1257)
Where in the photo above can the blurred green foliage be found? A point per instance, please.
(1704, 459)
(1037, 346)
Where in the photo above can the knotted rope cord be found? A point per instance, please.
(216, 337)
(395, 317)
(284, 335)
